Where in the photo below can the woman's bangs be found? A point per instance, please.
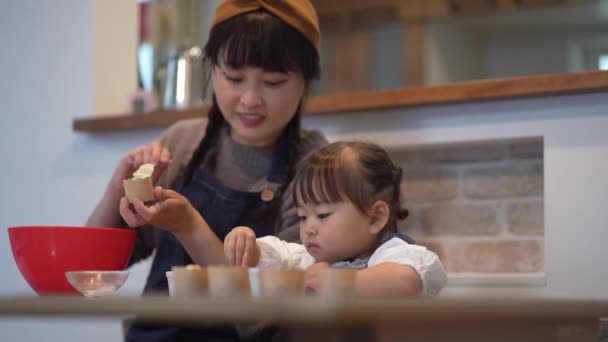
(258, 40)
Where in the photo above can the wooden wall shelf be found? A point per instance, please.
(553, 84)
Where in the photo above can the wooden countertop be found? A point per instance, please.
(311, 310)
(552, 84)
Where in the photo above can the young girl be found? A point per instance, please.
(348, 199)
(232, 168)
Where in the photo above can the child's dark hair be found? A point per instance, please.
(262, 40)
(359, 172)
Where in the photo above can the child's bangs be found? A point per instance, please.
(257, 39)
(328, 181)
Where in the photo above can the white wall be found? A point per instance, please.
(51, 175)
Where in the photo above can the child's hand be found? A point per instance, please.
(155, 153)
(312, 275)
(241, 248)
(170, 211)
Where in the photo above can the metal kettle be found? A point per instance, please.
(181, 79)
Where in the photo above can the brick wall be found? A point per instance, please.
(478, 206)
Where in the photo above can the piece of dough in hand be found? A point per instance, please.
(140, 186)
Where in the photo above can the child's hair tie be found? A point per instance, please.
(397, 173)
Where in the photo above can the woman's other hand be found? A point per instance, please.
(170, 211)
(241, 248)
(155, 153)
(312, 275)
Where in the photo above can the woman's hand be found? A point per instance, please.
(241, 248)
(312, 275)
(155, 153)
(170, 211)
(105, 213)
(173, 212)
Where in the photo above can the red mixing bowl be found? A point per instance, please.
(44, 253)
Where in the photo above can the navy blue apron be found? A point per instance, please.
(223, 208)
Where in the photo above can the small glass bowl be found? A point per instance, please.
(97, 283)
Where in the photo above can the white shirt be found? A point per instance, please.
(279, 253)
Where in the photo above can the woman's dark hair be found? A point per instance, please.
(257, 39)
(359, 172)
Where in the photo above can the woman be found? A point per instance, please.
(233, 168)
